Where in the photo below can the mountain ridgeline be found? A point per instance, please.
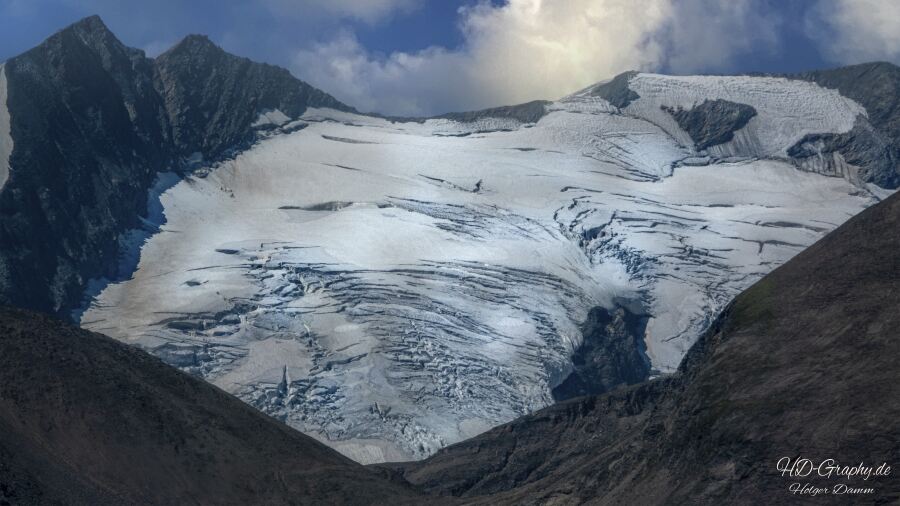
(92, 122)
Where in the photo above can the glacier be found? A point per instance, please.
(391, 287)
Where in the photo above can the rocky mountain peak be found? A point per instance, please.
(196, 48)
(92, 122)
(91, 26)
(195, 41)
(93, 34)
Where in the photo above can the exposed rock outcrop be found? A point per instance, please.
(529, 112)
(89, 134)
(874, 143)
(212, 98)
(862, 154)
(616, 90)
(712, 122)
(611, 354)
(875, 86)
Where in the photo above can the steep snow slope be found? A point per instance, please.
(391, 288)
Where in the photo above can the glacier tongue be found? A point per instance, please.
(391, 288)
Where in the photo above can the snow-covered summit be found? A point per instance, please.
(393, 287)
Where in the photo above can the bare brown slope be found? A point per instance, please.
(87, 420)
(804, 363)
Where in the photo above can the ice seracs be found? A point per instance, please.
(393, 287)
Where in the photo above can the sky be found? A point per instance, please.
(425, 57)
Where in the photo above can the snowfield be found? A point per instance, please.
(392, 288)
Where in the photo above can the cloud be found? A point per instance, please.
(367, 11)
(399, 84)
(522, 50)
(538, 49)
(853, 31)
(710, 35)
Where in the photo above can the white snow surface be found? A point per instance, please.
(787, 109)
(6, 142)
(392, 288)
(270, 117)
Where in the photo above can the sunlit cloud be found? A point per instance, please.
(854, 31)
(533, 49)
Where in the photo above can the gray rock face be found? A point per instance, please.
(213, 97)
(611, 355)
(616, 91)
(92, 122)
(529, 112)
(713, 122)
(864, 151)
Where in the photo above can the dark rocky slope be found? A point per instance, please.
(713, 122)
(801, 364)
(529, 112)
(612, 354)
(616, 90)
(213, 97)
(85, 419)
(92, 122)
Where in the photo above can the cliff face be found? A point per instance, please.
(92, 122)
(799, 365)
(89, 134)
(611, 355)
(212, 98)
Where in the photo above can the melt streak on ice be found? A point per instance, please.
(391, 288)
